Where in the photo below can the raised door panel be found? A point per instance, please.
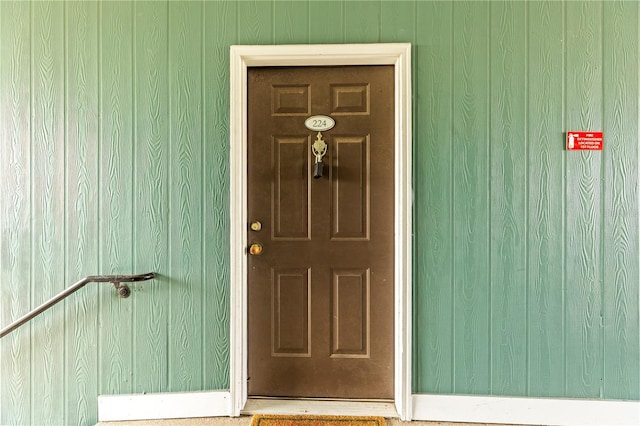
(351, 314)
(291, 309)
(291, 192)
(350, 188)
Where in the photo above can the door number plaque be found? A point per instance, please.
(319, 123)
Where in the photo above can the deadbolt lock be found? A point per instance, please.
(255, 249)
(256, 226)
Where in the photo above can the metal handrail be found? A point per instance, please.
(116, 280)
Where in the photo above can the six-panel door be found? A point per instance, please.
(321, 276)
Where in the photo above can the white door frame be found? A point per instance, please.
(242, 57)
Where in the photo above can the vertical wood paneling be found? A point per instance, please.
(621, 278)
(362, 21)
(433, 186)
(326, 21)
(397, 23)
(48, 374)
(471, 188)
(219, 33)
(114, 159)
(291, 22)
(81, 63)
(116, 193)
(151, 181)
(255, 22)
(509, 213)
(185, 94)
(15, 182)
(584, 273)
(546, 369)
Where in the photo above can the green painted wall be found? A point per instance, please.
(114, 159)
(526, 256)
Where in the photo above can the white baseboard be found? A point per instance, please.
(163, 406)
(450, 408)
(526, 411)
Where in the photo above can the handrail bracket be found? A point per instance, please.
(123, 290)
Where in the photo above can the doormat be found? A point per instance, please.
(307, 420)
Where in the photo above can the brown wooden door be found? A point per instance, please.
(320, 308)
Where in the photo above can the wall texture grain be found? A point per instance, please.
(114, 141)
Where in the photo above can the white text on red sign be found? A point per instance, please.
(585, 141)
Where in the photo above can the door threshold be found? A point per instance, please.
(338, 407)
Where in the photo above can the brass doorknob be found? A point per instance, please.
(255, 249)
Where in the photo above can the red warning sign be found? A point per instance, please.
(584, 141)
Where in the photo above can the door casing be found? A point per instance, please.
(242, 57)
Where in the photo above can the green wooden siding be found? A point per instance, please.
(526, 272)
(114, 141)
(546, 200)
